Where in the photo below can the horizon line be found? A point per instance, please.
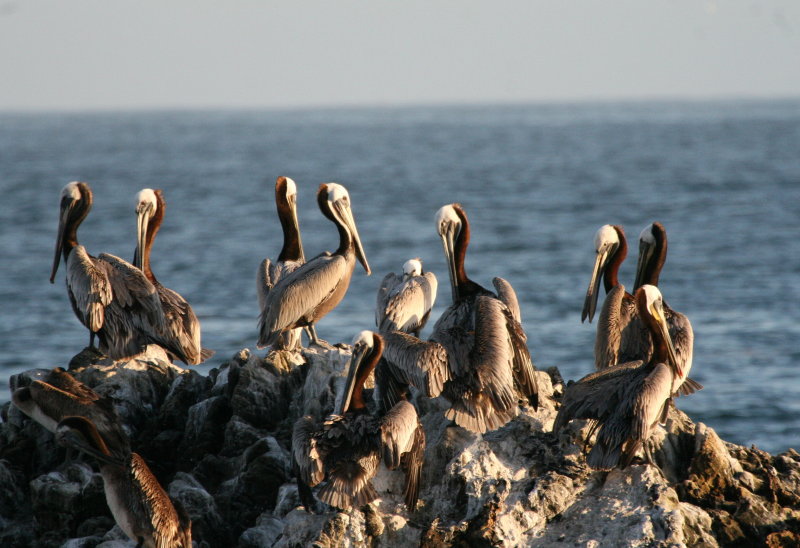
(389, 105)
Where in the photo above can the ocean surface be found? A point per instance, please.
(536, 181)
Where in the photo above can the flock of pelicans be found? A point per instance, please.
(476, 357)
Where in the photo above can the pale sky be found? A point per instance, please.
(105, 54)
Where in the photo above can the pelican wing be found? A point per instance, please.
(133, 292)
(411, 462)
(161, 520)
(182, 328)
(508, 296)
(408, 304)
(264, 282)
(389, 282)
(632, 421)
(422, 364)
(269, 274)
(61, 379)
(492, 353)
(596, 395)
(388, 388)
(682, 335)
(89, 287)
(689, 386)
(524, 370)
(298, 294)
(306, 453)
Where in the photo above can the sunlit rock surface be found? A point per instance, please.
(221, 445)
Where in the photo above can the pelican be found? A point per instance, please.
(477, 352)
(652, 255)
(139, 504)
(110, 296)
(483, 336)
(182, 329)
(405, 301)
(347, 448)
(621, 337)
(312, 290)
(60, 395)
(290, 257)
(628, 399)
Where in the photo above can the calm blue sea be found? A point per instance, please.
(537, 182)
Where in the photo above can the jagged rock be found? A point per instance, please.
(222, 445)
(207, 524)
(260, 392)
(255, 488)
(288, 499)
(205, 429)
(63, 498)
(265, 533)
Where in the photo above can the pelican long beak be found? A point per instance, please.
(359, 351)
(346, 214)
(590, 302)
(657, 311)
(293, 206)
(646, 250)
(448, 236)
(143, 215)
(66, 208)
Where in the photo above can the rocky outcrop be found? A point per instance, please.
(220, 444)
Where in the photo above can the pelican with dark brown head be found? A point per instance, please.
(347, 447)
(290, 258)
(620, 335)
(652, 256)
(181, 333)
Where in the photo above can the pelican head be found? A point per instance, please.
(651, 240)
(80, 433)
(338, 210)
(650, 304)
(146, 207)
(286, 189)
(606, 243)
(76, 201)
(411, 268)
(365, 345)
(449, 225)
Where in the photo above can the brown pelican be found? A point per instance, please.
(347, 448)
(312, 290)
(652, 255)
(181, 335)
(139, 504)
(60, 395)
(290, 257)
(110, 296)
(486, 346)
(477, 352)
(405, 301)
(621, 337)
(627, 399)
